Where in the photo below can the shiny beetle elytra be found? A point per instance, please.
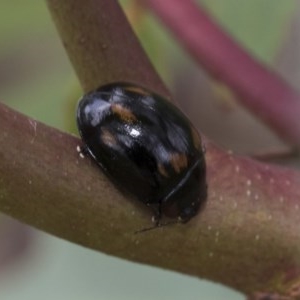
(146, 146)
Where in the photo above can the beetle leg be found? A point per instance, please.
(157, 215)
(160, 225)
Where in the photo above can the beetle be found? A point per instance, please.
(147, 147)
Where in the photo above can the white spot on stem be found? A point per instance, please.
(33, 124)
(78, 149)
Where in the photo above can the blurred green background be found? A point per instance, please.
(37, 79)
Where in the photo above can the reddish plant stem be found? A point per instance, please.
(258, 89)
(250, 222)
(101, 44)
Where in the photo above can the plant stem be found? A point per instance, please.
(266, 95)
(250, 224)
(101, 44)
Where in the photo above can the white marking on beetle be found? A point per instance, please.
(249, 182)
(248, 193)
(96, 111)
(237, 168)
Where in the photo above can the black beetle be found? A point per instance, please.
(146, 146)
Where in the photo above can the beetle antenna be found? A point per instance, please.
(156, 226)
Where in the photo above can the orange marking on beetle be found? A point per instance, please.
(196, 138)
(137, 90)
(179, 161)
(162, 170)
(108, 138)
(123, 113)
